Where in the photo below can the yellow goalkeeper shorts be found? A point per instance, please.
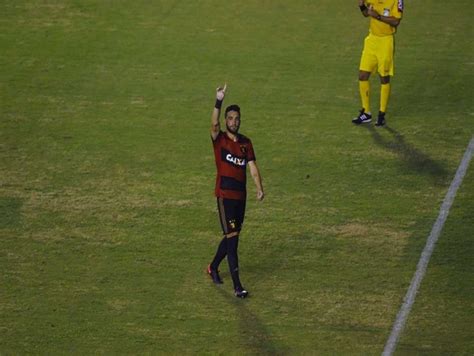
(377, 55)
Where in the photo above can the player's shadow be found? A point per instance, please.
(413, 159)
(254, 335)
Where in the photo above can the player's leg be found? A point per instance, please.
(222, 249)
(231, 217)
(385, 70)
(220, 254)
(213, 267)
(384, 96)
(235, 210)
(233, 260)
(364, 90)
(368, 63)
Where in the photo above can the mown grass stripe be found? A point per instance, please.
(409, 299)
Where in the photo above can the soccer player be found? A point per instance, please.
(385, 16)
(233, 153)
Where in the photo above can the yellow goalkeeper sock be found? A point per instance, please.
(384, 95)
(364, 90)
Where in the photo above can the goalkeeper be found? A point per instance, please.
(377, 55)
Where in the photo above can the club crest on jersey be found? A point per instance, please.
(400, 5)
(243, 149)
(236, 160)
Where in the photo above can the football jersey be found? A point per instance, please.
(232, 158)
(393, 8)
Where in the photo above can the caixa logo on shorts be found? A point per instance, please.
(236, 161)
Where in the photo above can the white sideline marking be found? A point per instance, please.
(427, 251)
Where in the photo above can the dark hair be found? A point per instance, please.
(232, 107)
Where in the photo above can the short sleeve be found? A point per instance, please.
(218, 138)
(250, 153)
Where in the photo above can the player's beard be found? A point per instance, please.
(233, 130)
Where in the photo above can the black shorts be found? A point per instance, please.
(231, 214)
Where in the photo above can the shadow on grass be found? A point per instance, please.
(415, 160)
(254, 334)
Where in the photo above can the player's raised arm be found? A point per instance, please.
(215, 123)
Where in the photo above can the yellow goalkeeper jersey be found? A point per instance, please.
(393, 8)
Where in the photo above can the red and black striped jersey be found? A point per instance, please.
(232, 158)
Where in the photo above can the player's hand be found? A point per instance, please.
(260, 195)
(361, 2)
(372, 12)
(220, 92)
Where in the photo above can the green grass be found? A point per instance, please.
(435, 325)
(107, 214)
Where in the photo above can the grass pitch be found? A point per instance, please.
(107, 217)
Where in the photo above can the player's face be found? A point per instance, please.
(232, 121)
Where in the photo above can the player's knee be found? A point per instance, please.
(385, 80)
(363, 75)
(232, 234)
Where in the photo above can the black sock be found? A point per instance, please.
(233, 259)
(220, 254)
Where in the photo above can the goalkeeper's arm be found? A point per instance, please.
(363, 8)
